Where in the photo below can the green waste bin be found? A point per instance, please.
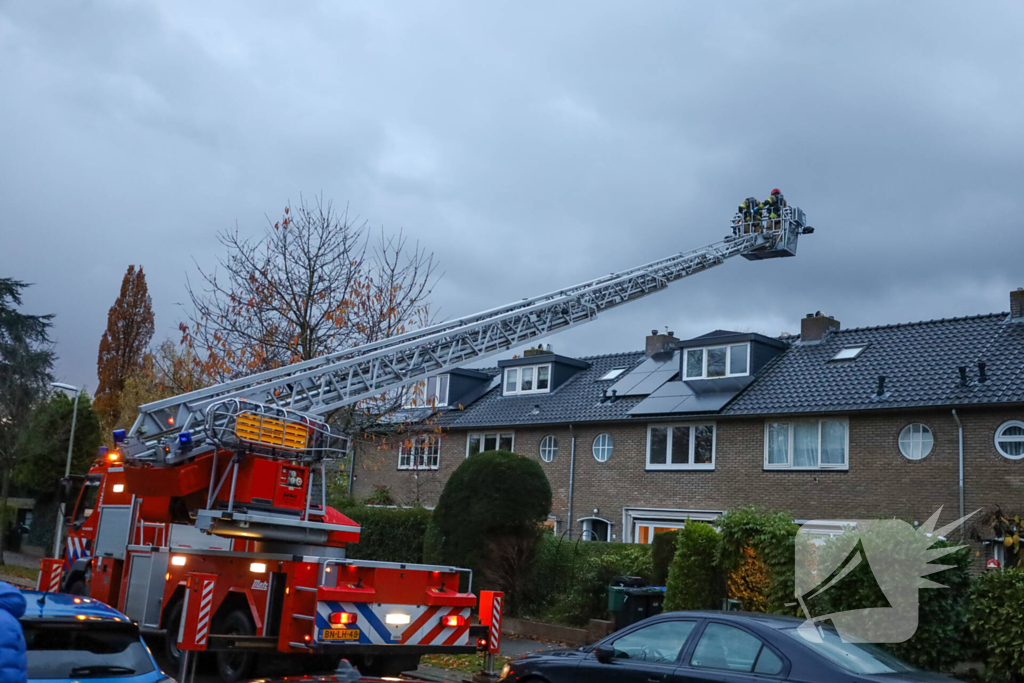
(616, 598)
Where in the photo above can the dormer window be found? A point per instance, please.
(712, 362)
(528, 379)
(432, 392)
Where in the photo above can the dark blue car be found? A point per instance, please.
(73, 638)
(716, 647)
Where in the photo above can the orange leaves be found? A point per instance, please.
(749, 583)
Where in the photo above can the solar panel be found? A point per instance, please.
(647, 377)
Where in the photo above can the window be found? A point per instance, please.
(806, 444)
(1010, 440)
(717, 361)
(430, 392)
(548, 448)
(859, 658)
(658, 643)
(496, 441)
(531, 379)
(849, 353)
(596, 529)
(732, 649)
(611, 374)
(675, 447)
(68, 651)
(422, 454)
(602, 447)
(916, 441)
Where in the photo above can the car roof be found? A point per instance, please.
(774, 621)
(61, 606)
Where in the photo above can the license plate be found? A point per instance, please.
(340, 634)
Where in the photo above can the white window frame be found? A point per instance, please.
(484, 435)
(423, 454)
(588, 526)
(611, 447)
(689, 464)
(634, 518)
(614, 373)
(704, 362)
(900, 441)
(999, 432)
(425, 399)
(553, 449)
(518, 374)
(819, 467)
(852, 353)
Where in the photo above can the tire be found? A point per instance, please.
(235, 666)
(78, 587)
(172, 624)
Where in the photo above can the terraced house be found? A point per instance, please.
(833, 424)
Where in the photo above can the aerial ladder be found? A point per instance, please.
(219, 481)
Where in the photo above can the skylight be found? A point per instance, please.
(849, 353)
(612, 374)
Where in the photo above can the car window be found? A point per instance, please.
(860, 658)
(658, 643)
(86, 650)
(727, 647)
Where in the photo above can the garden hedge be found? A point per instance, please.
(995, 621)
(693, 578)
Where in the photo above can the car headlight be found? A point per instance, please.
(505, 671)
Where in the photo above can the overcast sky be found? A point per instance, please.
(529, 145)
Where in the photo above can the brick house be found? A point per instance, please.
(831, 424)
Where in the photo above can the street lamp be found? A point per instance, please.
(67, 467)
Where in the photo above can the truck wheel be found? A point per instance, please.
(235, 666)
(172, 625)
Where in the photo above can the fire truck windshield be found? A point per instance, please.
(87, 500)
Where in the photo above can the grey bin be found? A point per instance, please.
(637, 604)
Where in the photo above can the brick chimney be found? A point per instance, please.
(660, 342)
(539, 351)
(814, 326)
(1017, 304)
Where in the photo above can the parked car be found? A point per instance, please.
(716, 647)
(74, 638)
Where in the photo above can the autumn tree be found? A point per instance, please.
(168, 370)
(313, 283)
(26, 357)
(124, 343)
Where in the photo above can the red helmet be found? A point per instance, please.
(776, 191)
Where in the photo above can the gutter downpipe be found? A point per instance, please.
(572, 463)
(960, 430)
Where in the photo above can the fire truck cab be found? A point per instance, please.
(247, 512)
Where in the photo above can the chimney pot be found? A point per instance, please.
(1017, 304)
(814, 327)
(982, 376)
(881, 386)
(654, 332)
(963, 375)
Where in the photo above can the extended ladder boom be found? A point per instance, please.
(323, 384)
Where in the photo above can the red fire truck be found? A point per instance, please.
(248, 512)
(218, 481)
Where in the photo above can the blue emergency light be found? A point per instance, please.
(185, 440)
(103, 451)
(120, 435)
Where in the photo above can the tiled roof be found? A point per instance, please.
(919, 361)
(576, 400)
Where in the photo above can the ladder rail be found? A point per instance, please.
(323, 384)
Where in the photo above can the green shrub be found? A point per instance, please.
(994, 618)
(693, 576)
(568, 581)
(770, 536)
(388, 534)
(663, 551)
(489, 517)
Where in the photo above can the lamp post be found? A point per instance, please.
(67, 467)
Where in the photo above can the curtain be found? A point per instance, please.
(778, 444)
(805, 444)
(833, 442)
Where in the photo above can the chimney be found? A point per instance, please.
(880, 391)
(982, 375)
(660, 343)
(539, 351)
(814, 326)
(1017, 304)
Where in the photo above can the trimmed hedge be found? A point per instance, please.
(663, 551)
(389, 534)
(994, 616)
(752, 539)
(569, 580)
(693, 578)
